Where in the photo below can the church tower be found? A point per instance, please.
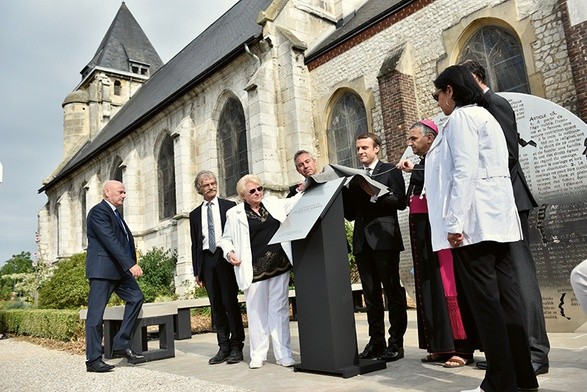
(125, 59)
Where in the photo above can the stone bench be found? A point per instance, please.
(151, 314)
(356, 288)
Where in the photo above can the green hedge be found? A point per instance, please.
(55, 324)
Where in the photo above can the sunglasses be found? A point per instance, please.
(257, 189)
(436, 94)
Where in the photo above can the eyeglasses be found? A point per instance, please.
(257, 189)
(436, 94)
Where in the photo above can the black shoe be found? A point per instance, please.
(531, 389)
(392, 354)
(219, 358)
(540, 368)
(98, 366)
(481, 365)
(127, 353)
(236, 355)
(372, 351)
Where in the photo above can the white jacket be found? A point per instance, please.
(236, 235)
(467, 181)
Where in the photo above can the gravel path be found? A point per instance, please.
(28, 367)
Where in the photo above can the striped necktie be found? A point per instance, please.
(211, 232)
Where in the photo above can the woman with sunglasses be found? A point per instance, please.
(472, 209)
(261, 269)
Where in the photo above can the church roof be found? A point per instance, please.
(124, 42)
(215, 47)
(370, 13)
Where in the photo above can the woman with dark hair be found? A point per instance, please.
(472, 209)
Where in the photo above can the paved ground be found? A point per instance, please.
(25, 367)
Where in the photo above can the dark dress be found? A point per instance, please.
(268, 260)
(445, 325)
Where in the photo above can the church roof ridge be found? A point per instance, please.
(213, 48)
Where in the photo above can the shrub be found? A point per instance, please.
(68, 287)
(158, 274)
(62, 325)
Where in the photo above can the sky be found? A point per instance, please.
(44, 44)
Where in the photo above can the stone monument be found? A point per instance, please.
(553, 155)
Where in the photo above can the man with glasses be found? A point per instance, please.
(213, 272)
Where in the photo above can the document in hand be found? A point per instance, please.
(359, 177)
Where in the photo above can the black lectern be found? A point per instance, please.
(326, 322)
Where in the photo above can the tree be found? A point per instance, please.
(13, 272)
(18, 264)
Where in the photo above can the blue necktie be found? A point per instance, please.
(120, 222)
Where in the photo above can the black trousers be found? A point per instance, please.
(220, 282)
(377, 269)
(100, 291)
(526, 283)
(488, 282)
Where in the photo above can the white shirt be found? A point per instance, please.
(217, 222)
(371, 167)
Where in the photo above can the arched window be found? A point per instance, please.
(347, 120)
(500, 53)
(117, 87)
(232, 146)
(166, 179)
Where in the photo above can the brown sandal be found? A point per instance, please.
(455, 361)
(432, 357)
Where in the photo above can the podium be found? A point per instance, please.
(326, 321)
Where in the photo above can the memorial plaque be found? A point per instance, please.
(306, 212)
(553, 155)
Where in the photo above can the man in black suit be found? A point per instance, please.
(111, 266)
(377, 243)
(213, 272)
(305, 165)
(519, 252)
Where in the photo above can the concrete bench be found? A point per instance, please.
(182, 323)
(159, 314)
(356, 288)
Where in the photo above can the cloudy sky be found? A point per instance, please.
(44, 44)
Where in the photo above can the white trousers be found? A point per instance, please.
(268, 316)
(579, 283)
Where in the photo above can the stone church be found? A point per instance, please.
(270, 77)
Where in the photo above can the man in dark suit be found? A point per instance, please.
(111, 266)
(519, 252)
(377, 243)
(305, 165)
(213, 272)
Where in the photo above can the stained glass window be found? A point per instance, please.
(232, 147)
(500, 53)
(347, 120)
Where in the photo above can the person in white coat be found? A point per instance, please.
(262, 270)
(472, 209)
